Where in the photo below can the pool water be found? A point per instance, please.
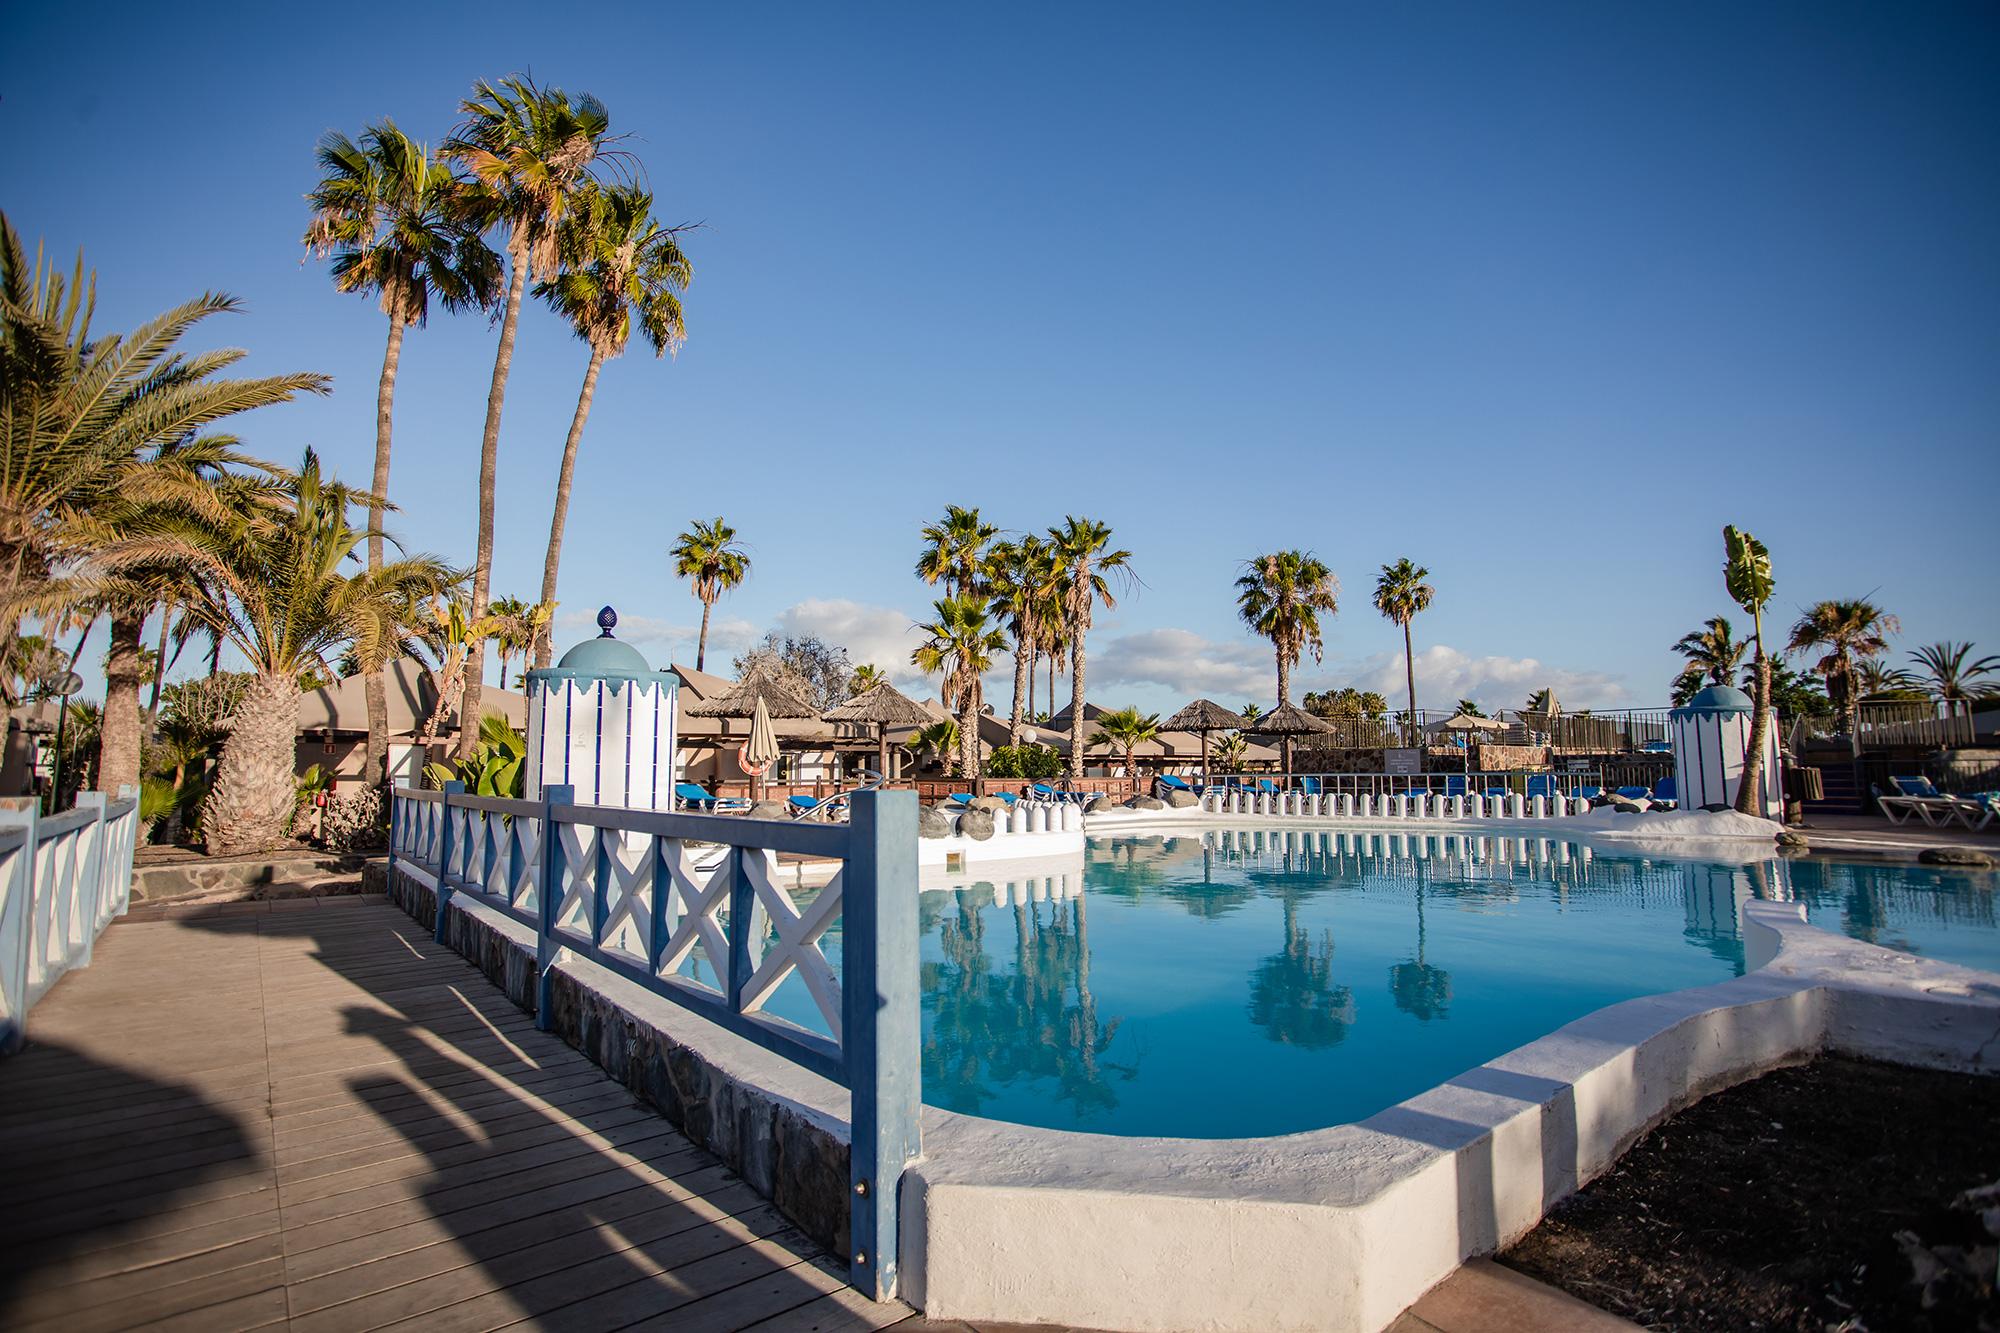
(1239, 983)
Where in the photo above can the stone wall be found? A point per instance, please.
(786, 1153)
(1502, 758)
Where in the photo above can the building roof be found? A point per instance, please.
(342, 707)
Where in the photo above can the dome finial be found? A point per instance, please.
(606, 619)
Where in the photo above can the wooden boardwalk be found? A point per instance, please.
(308, 1114)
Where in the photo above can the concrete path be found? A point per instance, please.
(305, 1113)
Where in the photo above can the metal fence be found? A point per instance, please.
(63, 879)
(641, 893)
(1889, 724)
(1610, 731)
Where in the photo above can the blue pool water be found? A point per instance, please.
(1239, 984)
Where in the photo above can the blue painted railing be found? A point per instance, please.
(638, 891)
(63, 879)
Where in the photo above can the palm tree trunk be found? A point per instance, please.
(1033, 660)
(1750, 791)
(375, 689)
(968, 730)
(544, 650)
(701, 644)
(1284, 679)
(1024, 671)
(160, 658)
(1410, 676)
(255, 784)
(118, 731)
(489, 463)
(1076, 681)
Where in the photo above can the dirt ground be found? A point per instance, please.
(1778, 1205)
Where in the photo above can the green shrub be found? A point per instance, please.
(1037, 763)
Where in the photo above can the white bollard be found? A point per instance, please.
(1423, 805)
(1514, 805)
(1038, 819)
(1347, 805)
(1538, 808)
(1072, 817)
(1457, 807)
(1363, 805)
(1401, 808)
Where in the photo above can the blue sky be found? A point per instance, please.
(1540, 296)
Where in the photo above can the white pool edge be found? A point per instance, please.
(1344, 1228)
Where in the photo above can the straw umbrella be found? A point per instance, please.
(885, 706)
(755, 693)
(1287, 721)
(1201, 717)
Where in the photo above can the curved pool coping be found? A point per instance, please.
(1344, 1228)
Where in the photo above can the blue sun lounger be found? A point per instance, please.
(693, 796)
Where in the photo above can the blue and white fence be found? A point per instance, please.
(62, 881)
(637, 892)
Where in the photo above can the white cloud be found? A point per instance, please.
(878, 634)
(1446, 675)
(1185, 663)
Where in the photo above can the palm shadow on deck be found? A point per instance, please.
(429, 1157)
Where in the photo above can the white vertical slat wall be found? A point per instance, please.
(611, 739)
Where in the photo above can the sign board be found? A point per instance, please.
(1403, 763)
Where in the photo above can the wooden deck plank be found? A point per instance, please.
(320, 1118)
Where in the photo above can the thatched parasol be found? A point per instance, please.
(886, 707)
(1289, 720)
(755, 693)
(1201, 717)
(741, 699)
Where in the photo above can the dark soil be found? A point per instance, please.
(1776, 1204)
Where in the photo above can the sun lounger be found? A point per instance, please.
(695, 797)
(1634, 793)
(1587, 794)
(1310, 786)
(1454, 785)
(960, 798)
(1914, 796)
(1541, 784)
(1666, 791)
(1172, 783)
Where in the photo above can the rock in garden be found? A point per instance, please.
(976, 824)
(1145, 803)
(1625, 807)
(1182, 800)
(1793, 840)
(933, 823)
(991, 804)
(1099, 805)
(1953, 856)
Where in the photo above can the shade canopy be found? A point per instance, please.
(742, 700)
(1465, 722)
(761, 750)
(883, 706)
(1204, 715)
(1290, 720)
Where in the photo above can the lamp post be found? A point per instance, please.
(62, 683)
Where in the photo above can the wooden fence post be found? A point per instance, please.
(548, 896)
(445, 854)
(880, 1026)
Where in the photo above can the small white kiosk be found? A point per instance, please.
(1711, 742)
(602, 721)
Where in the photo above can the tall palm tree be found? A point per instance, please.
(84, 413)
(1281, 596)
(1952, 678)
(290, 608)
(398, 223)
(1082, 557)
(517, 628)
(450, 636)
(959, 645)
(955, 553)
(710, 556)
(1402, 595)
(1018, 576)
(1128, 729)
(865, 678)
(1844, 630)
(940, 739)
(1713, 653)
(532, 150)
(1746, 573)
(622, 271)
(1876, 679)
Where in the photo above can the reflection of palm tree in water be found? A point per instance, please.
(1420, 990)
(990, 1031)
(1292, 993)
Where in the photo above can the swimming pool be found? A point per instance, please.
(1239, 983)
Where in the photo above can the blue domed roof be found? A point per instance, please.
(605, 656)
(1718, 699)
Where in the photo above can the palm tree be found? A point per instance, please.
(1845, 630)
(1746, 573)
(289, 609)
(1018, 575)
(518, 627)
(959, 646)
(1128, 729)
(447, 630)
(865, 678)
(709, 554)
(1281, 596)
(532, 150)
(1402, 595)
(399, 224)
(621, 270)
(956, 554)
(1081, 556)
(1952, 677)
(85, 414)
(1876, 679)
(939, 739)
(1229, 751)
(1713, 653)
